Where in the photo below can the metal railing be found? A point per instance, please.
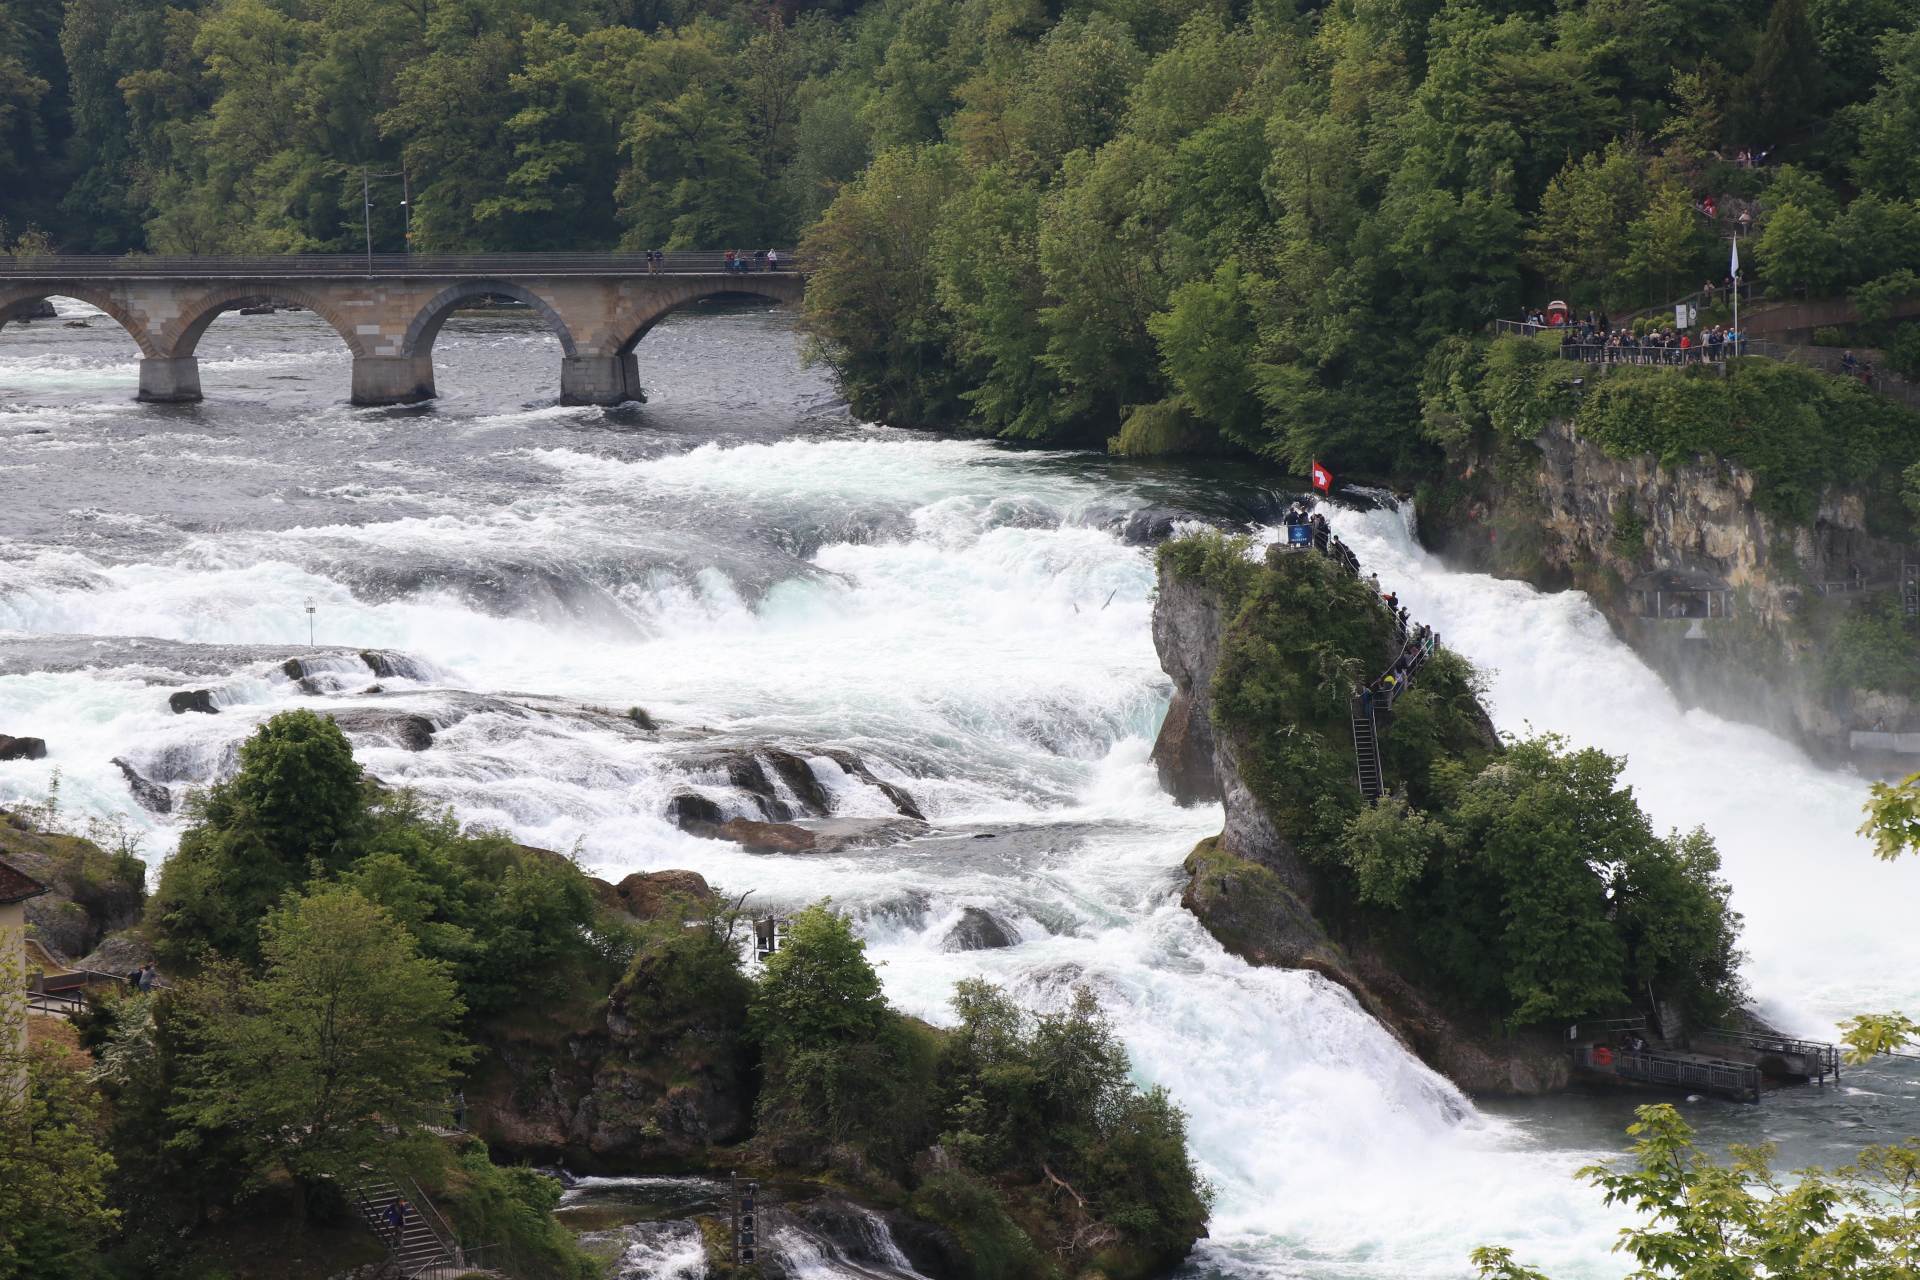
(282, 266)
(1825, 359)
(1823, 1057)
(1736, 1079)
(1740, 1079)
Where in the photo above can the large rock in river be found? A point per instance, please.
(22, 748)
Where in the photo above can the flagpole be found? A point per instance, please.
(1739, 338)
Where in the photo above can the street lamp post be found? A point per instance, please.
(309, 622)
(366, 206)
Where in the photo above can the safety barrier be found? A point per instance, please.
(1817, 1058)
(1740, 1080)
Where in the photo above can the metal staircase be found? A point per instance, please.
(1366, 749)
(425, 1247)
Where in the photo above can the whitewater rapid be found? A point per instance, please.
(743, 559)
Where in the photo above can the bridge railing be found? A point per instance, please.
(281, 266)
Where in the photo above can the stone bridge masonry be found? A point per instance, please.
(389, 309)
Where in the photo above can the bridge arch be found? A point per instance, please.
(776, 288)
(15, 299)
(427, 324)
(182, 335)
(612, 374)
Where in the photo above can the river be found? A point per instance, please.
(743, 559)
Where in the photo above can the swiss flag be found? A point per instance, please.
(1322, 478)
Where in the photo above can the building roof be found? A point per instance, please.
(17, 886)
(1678, 580)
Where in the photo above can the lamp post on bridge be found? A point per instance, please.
(366, 206)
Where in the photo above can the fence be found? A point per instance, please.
(1734, 1079)
(1825, 359)
(283, 266)
(1817, 1058)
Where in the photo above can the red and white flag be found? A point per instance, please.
(1322, 478)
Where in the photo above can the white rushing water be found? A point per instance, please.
(955, 612)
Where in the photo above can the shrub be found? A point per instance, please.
(1874, 648)
(1048, 1097)
(512, 1209)
(965, 1205)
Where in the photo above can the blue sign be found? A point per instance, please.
(1299, 535)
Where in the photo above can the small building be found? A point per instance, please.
(16, 887)
(1681, 593)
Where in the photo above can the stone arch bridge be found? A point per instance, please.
(389, 308)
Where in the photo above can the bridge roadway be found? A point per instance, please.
(388, 308)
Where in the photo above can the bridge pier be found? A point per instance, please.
(600, 379)
(170, 381)
(392, 379)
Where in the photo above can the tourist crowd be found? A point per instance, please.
(1597, 345)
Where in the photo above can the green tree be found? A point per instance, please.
(841, 1067)
(510, 921)
(1786, 82)
(1886, 163)
(990, 284)
(819, 987)
(1586, 218)
(339, 1053)
(1208, 337)
(1796, 250)
(692, 181)
(53, 1172)
(1102, 250)
(1049, 1095)
(293, 810)
(872, 311)
(1665, 241)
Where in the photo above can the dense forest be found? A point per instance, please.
(1175, 225)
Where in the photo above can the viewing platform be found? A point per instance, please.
(1728, 1064)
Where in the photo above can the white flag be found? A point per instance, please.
(1736, 258)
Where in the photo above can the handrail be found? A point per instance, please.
(1819, 1050)
(1604, 355)
(444, 1233)
(269, 266)
(1741, 1079)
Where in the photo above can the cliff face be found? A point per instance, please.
(1252, 890)
(581, 1083)
(1195, 762)
(1579, 518)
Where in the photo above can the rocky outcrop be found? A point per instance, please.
(93, 892)
(149, 795)
(1583, 519)
(380, 726)
(22, 748)
(1253, 892)
(186, 700)
(1196, 761)
(979, 930)
(1256, 917)
(767, 837)
(641, 894)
